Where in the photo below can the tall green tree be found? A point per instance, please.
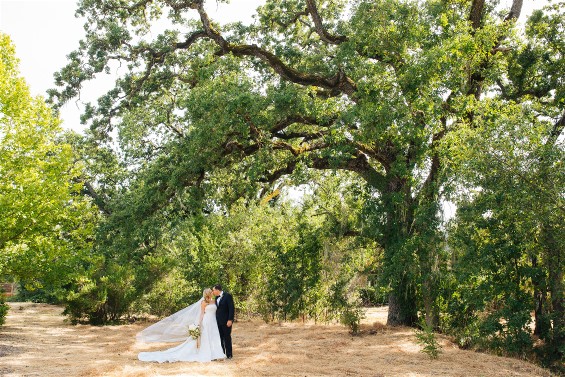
(508, 236)
(370, 87)
(45, 223)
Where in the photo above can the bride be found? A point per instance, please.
(174, 328)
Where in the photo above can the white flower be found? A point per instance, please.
(194, 331)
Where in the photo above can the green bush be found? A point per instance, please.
(30, 293)
(352, 317)
(168, 295)
(102, 298)
(340, 301)
(85, 298)
(3, 309)
(374, 295)
(498, 325)
(426, 337)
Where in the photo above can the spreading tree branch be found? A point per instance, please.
(339, 82)
(296, 118)
(476, 14)
(515, 10)
(98, 200)
(305, 136)
(324, 35)
(295, 18)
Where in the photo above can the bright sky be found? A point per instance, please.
(45, 31)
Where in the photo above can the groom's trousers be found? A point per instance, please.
(225, 337)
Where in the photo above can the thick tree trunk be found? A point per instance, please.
(556, 290)
(542, 324)
(554, 260)
(429, 293)
(399, 263)
(476, 13)
(402, 310)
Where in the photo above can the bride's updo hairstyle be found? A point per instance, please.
(207, 294)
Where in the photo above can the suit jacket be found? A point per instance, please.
(226, 309)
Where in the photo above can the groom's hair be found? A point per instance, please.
(218, 287)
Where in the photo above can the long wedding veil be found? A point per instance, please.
(173, 328)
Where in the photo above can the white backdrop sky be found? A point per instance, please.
(45, 31)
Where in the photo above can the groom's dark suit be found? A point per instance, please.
(224, 313)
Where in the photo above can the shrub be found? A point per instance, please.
(426, 337)
(168, 295)
(101, 299)
(374, 295)
(3, 309)
(27, 292)
(352, 317)
(85, 298)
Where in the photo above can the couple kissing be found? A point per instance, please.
(212, 315)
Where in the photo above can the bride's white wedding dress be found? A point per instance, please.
(210, 344)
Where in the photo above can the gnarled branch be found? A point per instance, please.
(338, 82)
(515, 10)
(477, 78)
(297, 135)
(375, 153)
(98, 200)
(293, 19)
(324, 35)
(357, 163)
(296, 151)
(476, 14)
(191, 39)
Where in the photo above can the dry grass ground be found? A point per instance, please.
(37, 341)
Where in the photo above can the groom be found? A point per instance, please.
(224, 317)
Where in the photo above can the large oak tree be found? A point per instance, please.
(373, 87)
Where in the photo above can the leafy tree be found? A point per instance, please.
(46, 226)
(507, 243)
(280, 260)
(370, 87)
(508, 236)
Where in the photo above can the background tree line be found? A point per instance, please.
(383, 109)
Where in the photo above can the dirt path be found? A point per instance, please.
(37, 341)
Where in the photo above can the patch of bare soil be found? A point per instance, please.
(37, 341)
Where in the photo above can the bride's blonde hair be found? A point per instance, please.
(207, 294)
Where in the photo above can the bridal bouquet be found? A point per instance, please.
(194, 332)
